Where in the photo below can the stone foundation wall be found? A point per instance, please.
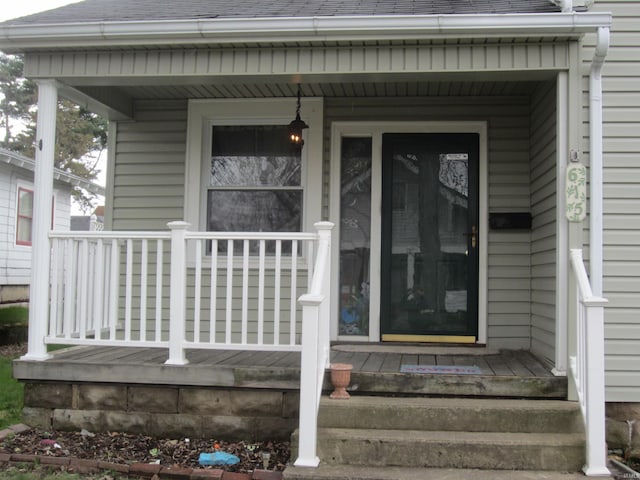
(166, 411)
(14, 293)
(623, 427)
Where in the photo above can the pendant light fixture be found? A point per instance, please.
(296, 127)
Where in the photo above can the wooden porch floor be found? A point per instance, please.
(376, 370)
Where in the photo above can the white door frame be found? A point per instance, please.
(374, 130)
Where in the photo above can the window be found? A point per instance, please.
(255, 181)
(25, 216)
(241, 174)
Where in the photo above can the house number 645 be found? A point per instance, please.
(576, 193)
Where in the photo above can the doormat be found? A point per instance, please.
(442, 369)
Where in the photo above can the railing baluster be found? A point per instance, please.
(276, 296)
(213, 292)
(261, 293)
(69, 288)
(294, 292)
(81, 313)
(229, 304)
(98, 273)
(197, 292)
(52, 327)
(144, 256)
(245, 290)
(159, 284)
(310, 263)
(114, 284)
(128, 290)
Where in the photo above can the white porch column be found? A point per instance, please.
(41, 224)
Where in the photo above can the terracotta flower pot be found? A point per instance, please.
(340, 378)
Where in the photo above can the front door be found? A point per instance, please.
(429, 262)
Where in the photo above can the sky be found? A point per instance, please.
(19, 8)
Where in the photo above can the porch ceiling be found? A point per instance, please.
(403, 88)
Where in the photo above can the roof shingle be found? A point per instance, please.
(140, 10)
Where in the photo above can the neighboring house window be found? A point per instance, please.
(25, 216)
(255, 181)
(24, 221)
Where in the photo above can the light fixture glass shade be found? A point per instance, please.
(296, 126)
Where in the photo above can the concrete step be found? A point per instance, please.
(346, 472)
(452, 414)
(446, 449)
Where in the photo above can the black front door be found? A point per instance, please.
(429, 284)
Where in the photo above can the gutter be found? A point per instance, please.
(20, 37)
(596, 161)
(12, 158)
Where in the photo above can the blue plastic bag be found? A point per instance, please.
(218, 458)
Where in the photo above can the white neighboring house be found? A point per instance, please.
(16, 214)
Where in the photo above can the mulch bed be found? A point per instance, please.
(123, 448)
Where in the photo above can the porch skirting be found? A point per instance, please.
(243, 394)
(164, 411)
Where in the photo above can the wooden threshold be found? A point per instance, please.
(429, 338)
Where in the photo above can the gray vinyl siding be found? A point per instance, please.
(509, 311)
(621, 115)
(544, 231)
(149, 167)
(301, 60)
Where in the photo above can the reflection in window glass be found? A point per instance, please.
(254, 155)
(355, 235)
(25, 216)
(255, 181)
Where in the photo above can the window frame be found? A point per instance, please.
(208, 187)
(203, 115)
(21, 186)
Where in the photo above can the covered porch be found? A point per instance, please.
(192, 301)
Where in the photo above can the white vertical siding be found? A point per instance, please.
(621, 111)
(544, 231)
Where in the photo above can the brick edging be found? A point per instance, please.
(144, 470)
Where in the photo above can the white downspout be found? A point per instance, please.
(595, 160)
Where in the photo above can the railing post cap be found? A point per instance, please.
(178, 225)
(324, 225)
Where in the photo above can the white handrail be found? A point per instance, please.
(315, 348)
(107, 289)
(587, 367)
(91, 296)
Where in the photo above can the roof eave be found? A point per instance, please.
(20, 38)
(12, 158)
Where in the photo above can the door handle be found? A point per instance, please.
(474, 236)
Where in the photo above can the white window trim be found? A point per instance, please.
(22, 185)
(375, 131)
(204, 114)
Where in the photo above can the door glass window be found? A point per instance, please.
(355, 235)
(431, 248)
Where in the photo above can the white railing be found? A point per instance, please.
(185, 290)
(316, 347)
(587, 367)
